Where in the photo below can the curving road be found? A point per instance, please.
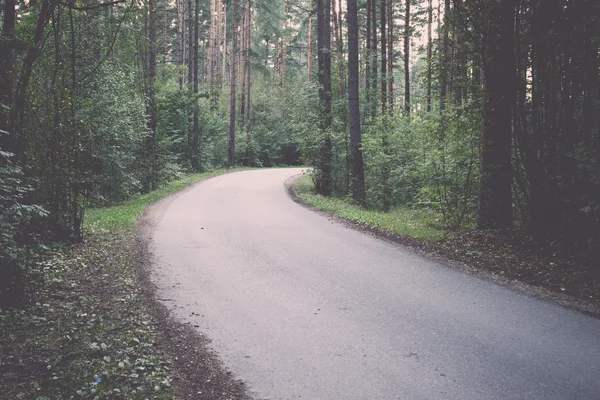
(300, 307)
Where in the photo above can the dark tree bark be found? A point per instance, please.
(373, 58)
(407, 59)
(390, 55)
(6, 68)
(196, 124)
(495, 200)
(368, 58)
(324, 181)
(382, 27)
(356, 161)
(233, 80)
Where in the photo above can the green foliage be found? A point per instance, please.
(18, 236)
(418, 223)
(124, 216)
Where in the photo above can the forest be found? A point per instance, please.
(485, 111)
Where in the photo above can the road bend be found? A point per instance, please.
(301, 307)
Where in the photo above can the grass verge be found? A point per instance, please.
(399, 221)
(124, 216)
(85, 331)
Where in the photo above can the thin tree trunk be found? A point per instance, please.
(242, 72)
(356, 160)
(340, 51)
(368, 57)
(382, 28)
(407, 59)
(310, 47)
(374, 57)
(219, 41)
(233, 81)
(390, 55)
(429, 53)
(180, 38)
(445, 59)
(151, 93)
(224, 44)
(249, 143)
(324, 181)
(196, 125)
(190, 76)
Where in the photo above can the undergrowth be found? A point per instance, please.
(417, 223)
(84, 331)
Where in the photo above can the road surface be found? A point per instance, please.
(301, 307)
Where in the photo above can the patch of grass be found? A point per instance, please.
(124, 216)
(400, 220)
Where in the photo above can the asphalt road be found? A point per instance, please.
(301, 307)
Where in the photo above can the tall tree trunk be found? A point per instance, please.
(212, 30)
(224, 44)
(356, 160)
(324, 181)
(196, 124)
(407, 59)
(390, 55)
(219, 41)
(180, 38)
(445, 59)
(6, 69)
(382, 27)
(242, 72)
(429, 53)
(310, 47)
(495, 200)
(233, 80)
(374, 62)
(368, 76)
(190, 76)
(385, 173)
(249, 142)
(340, 51)
(151, 94)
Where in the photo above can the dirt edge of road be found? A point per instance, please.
(199, 373)
(445, 257)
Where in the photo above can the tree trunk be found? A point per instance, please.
(180, 38)
(340, 51)
(310, 47)
(356, 160)
(219, 41)
(324, 181)
(382, 28)
(429, 53)
(374, 63)
(495, 200)
(368, 58)
(196, 124)
(6, 69)
(249, 143)
(151, 93)
(233, 80)
(390, 55)
(445, 59)
(407, 59)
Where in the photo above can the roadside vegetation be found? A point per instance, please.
(85, 329)
(422, 224)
